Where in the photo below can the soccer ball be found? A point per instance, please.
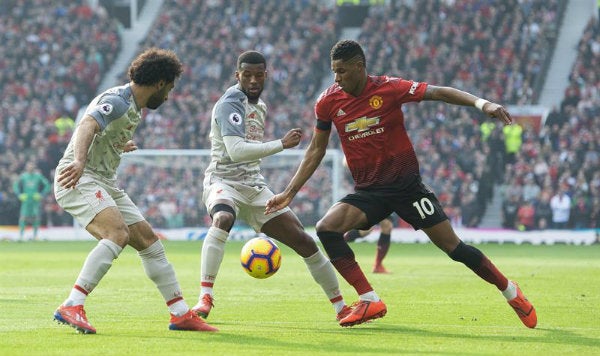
(260, 257)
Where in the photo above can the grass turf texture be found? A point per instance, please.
(435, 306)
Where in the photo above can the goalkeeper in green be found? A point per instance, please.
(30, 188)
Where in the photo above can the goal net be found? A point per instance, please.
(166, 185)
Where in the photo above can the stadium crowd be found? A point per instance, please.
(555, 180)
(501, 59)
(52, 58)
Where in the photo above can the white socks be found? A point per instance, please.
(510, 292)
(323, 273)
(97, 263)
(213, 249)
(161, 272)
(369, 296)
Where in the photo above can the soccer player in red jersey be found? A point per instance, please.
(367, 113)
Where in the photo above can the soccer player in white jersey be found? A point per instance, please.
(85, 186)
(234, 186)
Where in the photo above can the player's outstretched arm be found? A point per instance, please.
(458, 97)
(312, 158)
(240, 150)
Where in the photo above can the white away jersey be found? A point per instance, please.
(118, 116)
(233, 115)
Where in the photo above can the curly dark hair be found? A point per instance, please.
(154, 65)
(347, 50)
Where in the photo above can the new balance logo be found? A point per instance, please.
(341, 113)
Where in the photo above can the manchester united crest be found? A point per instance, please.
(376, 101)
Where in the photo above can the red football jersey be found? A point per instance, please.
(371, 129)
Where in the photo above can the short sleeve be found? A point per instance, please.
(409, 90)
(230, 117)
(108, 109)
(322, 109)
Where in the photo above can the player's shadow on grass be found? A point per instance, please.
(238, 344)
(235, 341)
(538, 335)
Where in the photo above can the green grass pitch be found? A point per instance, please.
(435, 305)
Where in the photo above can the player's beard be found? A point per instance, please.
(155, 100)
(253, 97)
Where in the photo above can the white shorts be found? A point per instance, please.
(249, 202)
(92, 195)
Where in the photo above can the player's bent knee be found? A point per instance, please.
(386, 226)
(324, 225)
(308, 241)
(223, 220)
(334, 245)
(223, 216)
(297, 239)
(142, 236)
(119, 235)
(306, 251)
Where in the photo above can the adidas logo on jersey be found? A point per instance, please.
(341, 112)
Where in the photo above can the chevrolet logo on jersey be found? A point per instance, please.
(362, 124)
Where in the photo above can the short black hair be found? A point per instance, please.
(154, 65)
(251, 57)
(346, 50)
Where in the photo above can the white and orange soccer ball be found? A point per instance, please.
(260, 257)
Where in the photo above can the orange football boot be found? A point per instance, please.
(346, 310)
(75, 317)
(203, 308)
(363, 311)
(190, 322)
(523, 308)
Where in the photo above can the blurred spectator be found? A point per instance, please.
(470, 211)
(512, 141)
(555, 117)
(526, 216)
(572, 96)
(561, 209)
(64, 125)
(170, 211)
(486, 129)
(595, 215)
(510, 207)
(531, 190)
(581, 211)
(543, 212)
